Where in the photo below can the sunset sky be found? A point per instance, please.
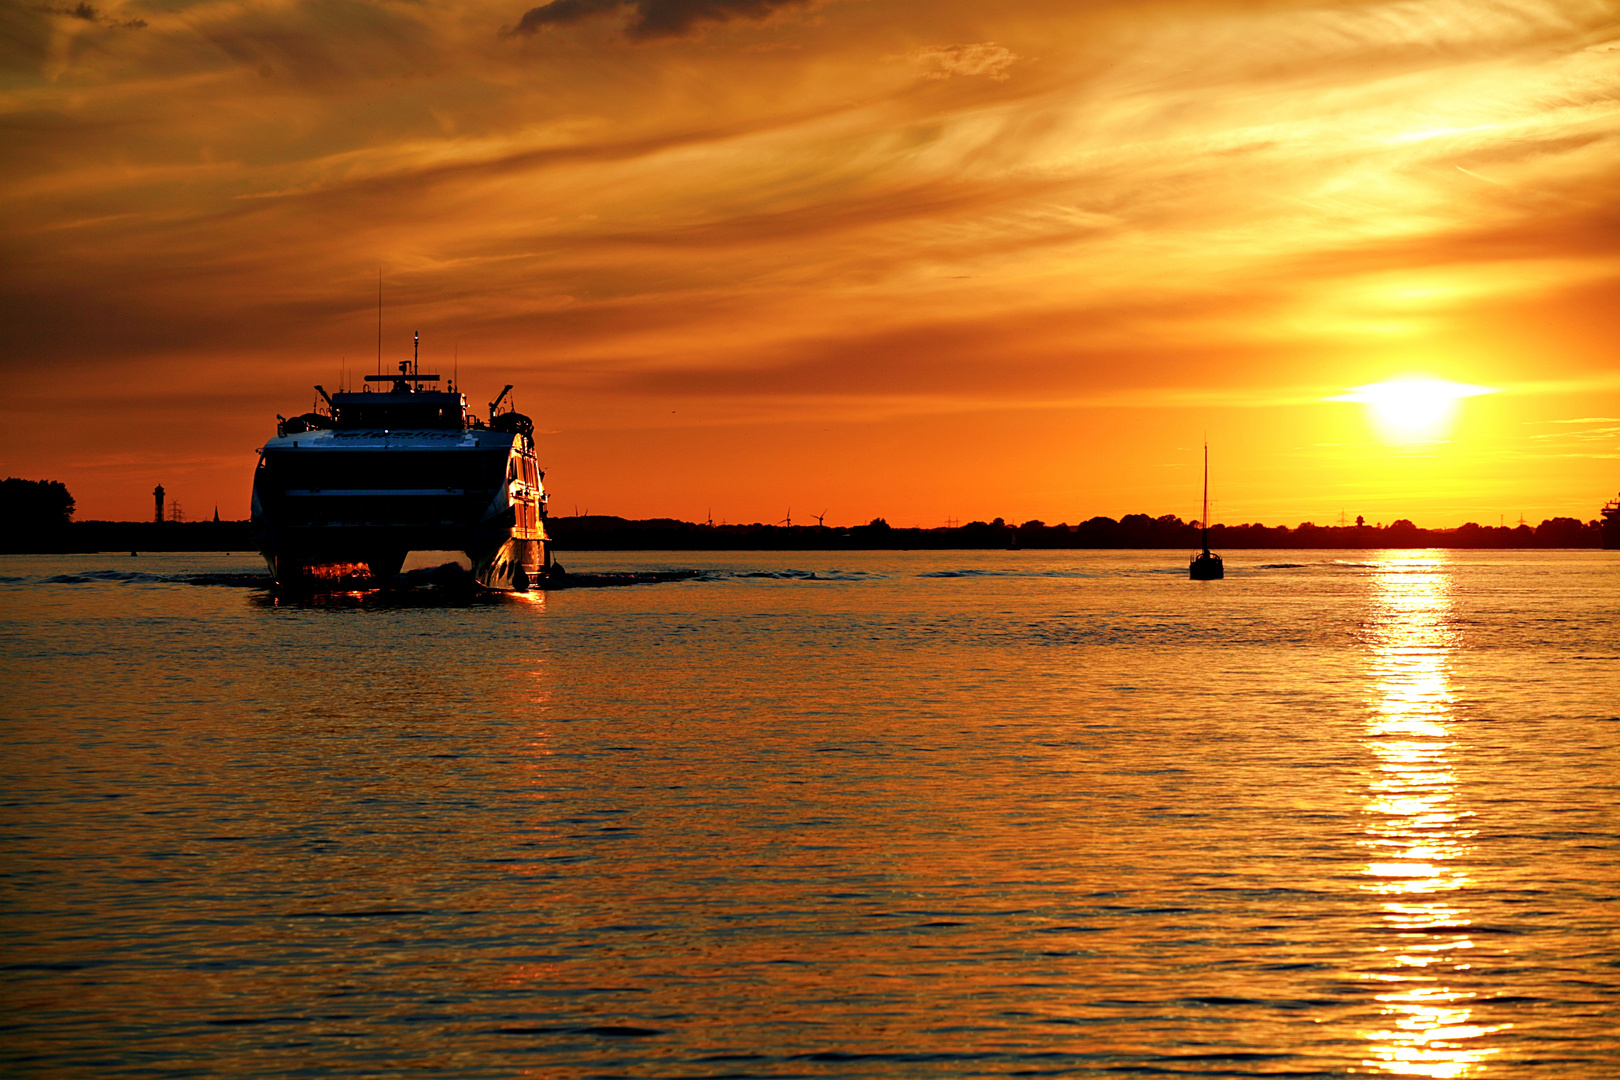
(924, 260)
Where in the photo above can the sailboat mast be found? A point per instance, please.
(1205, 519)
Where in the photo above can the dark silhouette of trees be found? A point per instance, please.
(37, 516)
(35, 504)
(1560, 532)
(603, 533)
(34, 514)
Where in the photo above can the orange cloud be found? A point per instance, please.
(942, 61)
(650, 19)
(1181, 217)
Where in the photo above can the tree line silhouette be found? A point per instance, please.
(36, 516)
(600, 532)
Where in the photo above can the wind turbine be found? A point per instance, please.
(821, 519)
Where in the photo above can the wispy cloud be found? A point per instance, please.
(91, 14)
(651, 19)
(942, 61)
(1588, 429)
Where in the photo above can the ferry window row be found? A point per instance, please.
(393, 414)
(358, 470)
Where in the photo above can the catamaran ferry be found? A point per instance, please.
(342, 495)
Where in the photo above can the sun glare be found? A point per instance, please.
(1413, 408)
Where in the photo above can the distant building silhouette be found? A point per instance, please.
(157, 504)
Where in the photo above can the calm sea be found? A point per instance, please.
(818, 814)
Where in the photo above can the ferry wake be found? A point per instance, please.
(341, 496)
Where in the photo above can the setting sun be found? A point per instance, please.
(1413, 408)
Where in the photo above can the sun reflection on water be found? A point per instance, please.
(1417, 834)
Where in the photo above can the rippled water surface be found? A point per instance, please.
(812, 814)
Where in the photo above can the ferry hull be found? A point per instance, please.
(346, 558)
(334, 510)
(516, 564)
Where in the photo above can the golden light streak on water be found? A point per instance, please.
(1417, 832)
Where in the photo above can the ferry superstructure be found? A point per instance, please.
(345, 494)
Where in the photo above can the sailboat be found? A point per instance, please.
(1206, 566)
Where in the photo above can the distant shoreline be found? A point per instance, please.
(605, 533)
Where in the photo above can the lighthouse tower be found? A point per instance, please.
(157, 504)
